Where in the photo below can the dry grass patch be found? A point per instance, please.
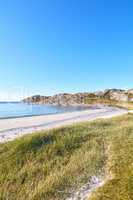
(109, 102)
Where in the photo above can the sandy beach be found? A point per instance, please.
(16, 127)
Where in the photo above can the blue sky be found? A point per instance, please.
(52, 46)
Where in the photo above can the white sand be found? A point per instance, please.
(86, 190)
(16, 127)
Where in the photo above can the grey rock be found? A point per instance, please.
(79, 98)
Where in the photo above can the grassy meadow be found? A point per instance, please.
(51, 165)
(109, 102)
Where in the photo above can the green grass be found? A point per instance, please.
(120, 164)
(51, 164)
(107, 101)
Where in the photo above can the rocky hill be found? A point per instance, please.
(60, 99)
(80, 98)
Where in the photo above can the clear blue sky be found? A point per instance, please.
(52, 46)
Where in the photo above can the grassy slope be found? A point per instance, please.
(119, 186)
(127, 105)
(47, 166)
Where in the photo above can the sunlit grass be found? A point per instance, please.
(106, 101)
(120, 164)
(50, 165)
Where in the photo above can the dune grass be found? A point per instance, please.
(119, 183)
(50, 165)
(109, 102)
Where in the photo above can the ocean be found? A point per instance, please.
(18, 109)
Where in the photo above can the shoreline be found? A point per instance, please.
(72, 108)
(12, 128)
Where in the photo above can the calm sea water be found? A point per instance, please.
(10, 110)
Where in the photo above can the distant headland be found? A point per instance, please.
(106, 96)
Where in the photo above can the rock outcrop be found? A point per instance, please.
(79, 98)
(119, 95)
(114, 94)
(60, 99)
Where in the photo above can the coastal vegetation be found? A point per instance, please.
(52, 165)
(109, 102)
